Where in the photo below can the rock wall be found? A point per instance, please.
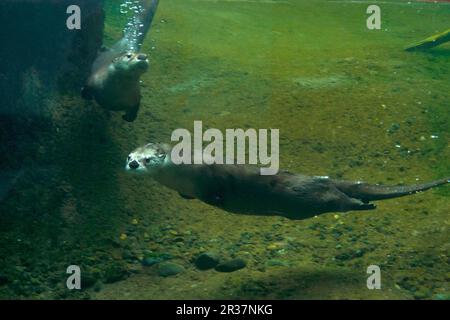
(40, 61)
(39, 53)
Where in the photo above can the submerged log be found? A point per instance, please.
(430, 42)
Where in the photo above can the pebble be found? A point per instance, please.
(149, 261)
(231, 265)
(151, 258)
(441, 296)
(167, 269)
(207, 260)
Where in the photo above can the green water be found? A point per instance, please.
(349, 103)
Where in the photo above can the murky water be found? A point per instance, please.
(349, 103)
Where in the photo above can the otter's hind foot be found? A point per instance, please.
(367, 206)
(359, 205)
(131, 115)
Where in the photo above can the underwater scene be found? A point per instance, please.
(224, 149)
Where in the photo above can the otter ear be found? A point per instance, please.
(86, 93)
(161, 153)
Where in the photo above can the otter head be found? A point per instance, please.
(131, 63)
(147, 158)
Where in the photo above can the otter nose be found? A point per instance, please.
(142, 56)
(133, 164)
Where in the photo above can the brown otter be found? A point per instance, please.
(241, 189)
(114, 79)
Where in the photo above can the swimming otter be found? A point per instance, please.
(114, 78)
(241, 189)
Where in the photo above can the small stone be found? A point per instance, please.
(167, 269)
(152, 258)
(231, 265)
(441, 296)
(207, 260)
(149, 261)
(123, 237)
(134, 221)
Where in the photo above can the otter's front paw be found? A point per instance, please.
(127, 118)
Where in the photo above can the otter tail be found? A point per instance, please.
(366, 192)
(140, 24)
(137, 27)
(146, 18)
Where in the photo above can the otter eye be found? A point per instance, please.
(129, 55)
(147, 160)
(129, 158)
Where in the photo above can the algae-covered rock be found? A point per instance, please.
(152, 258)
(441, 296)
(351, 254)
(167, 269)
(149, 261)
(207, 260)
(431, 41)
(44, 50)
(231, 265)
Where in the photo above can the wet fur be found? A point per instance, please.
(241, 189)
(114, 88)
